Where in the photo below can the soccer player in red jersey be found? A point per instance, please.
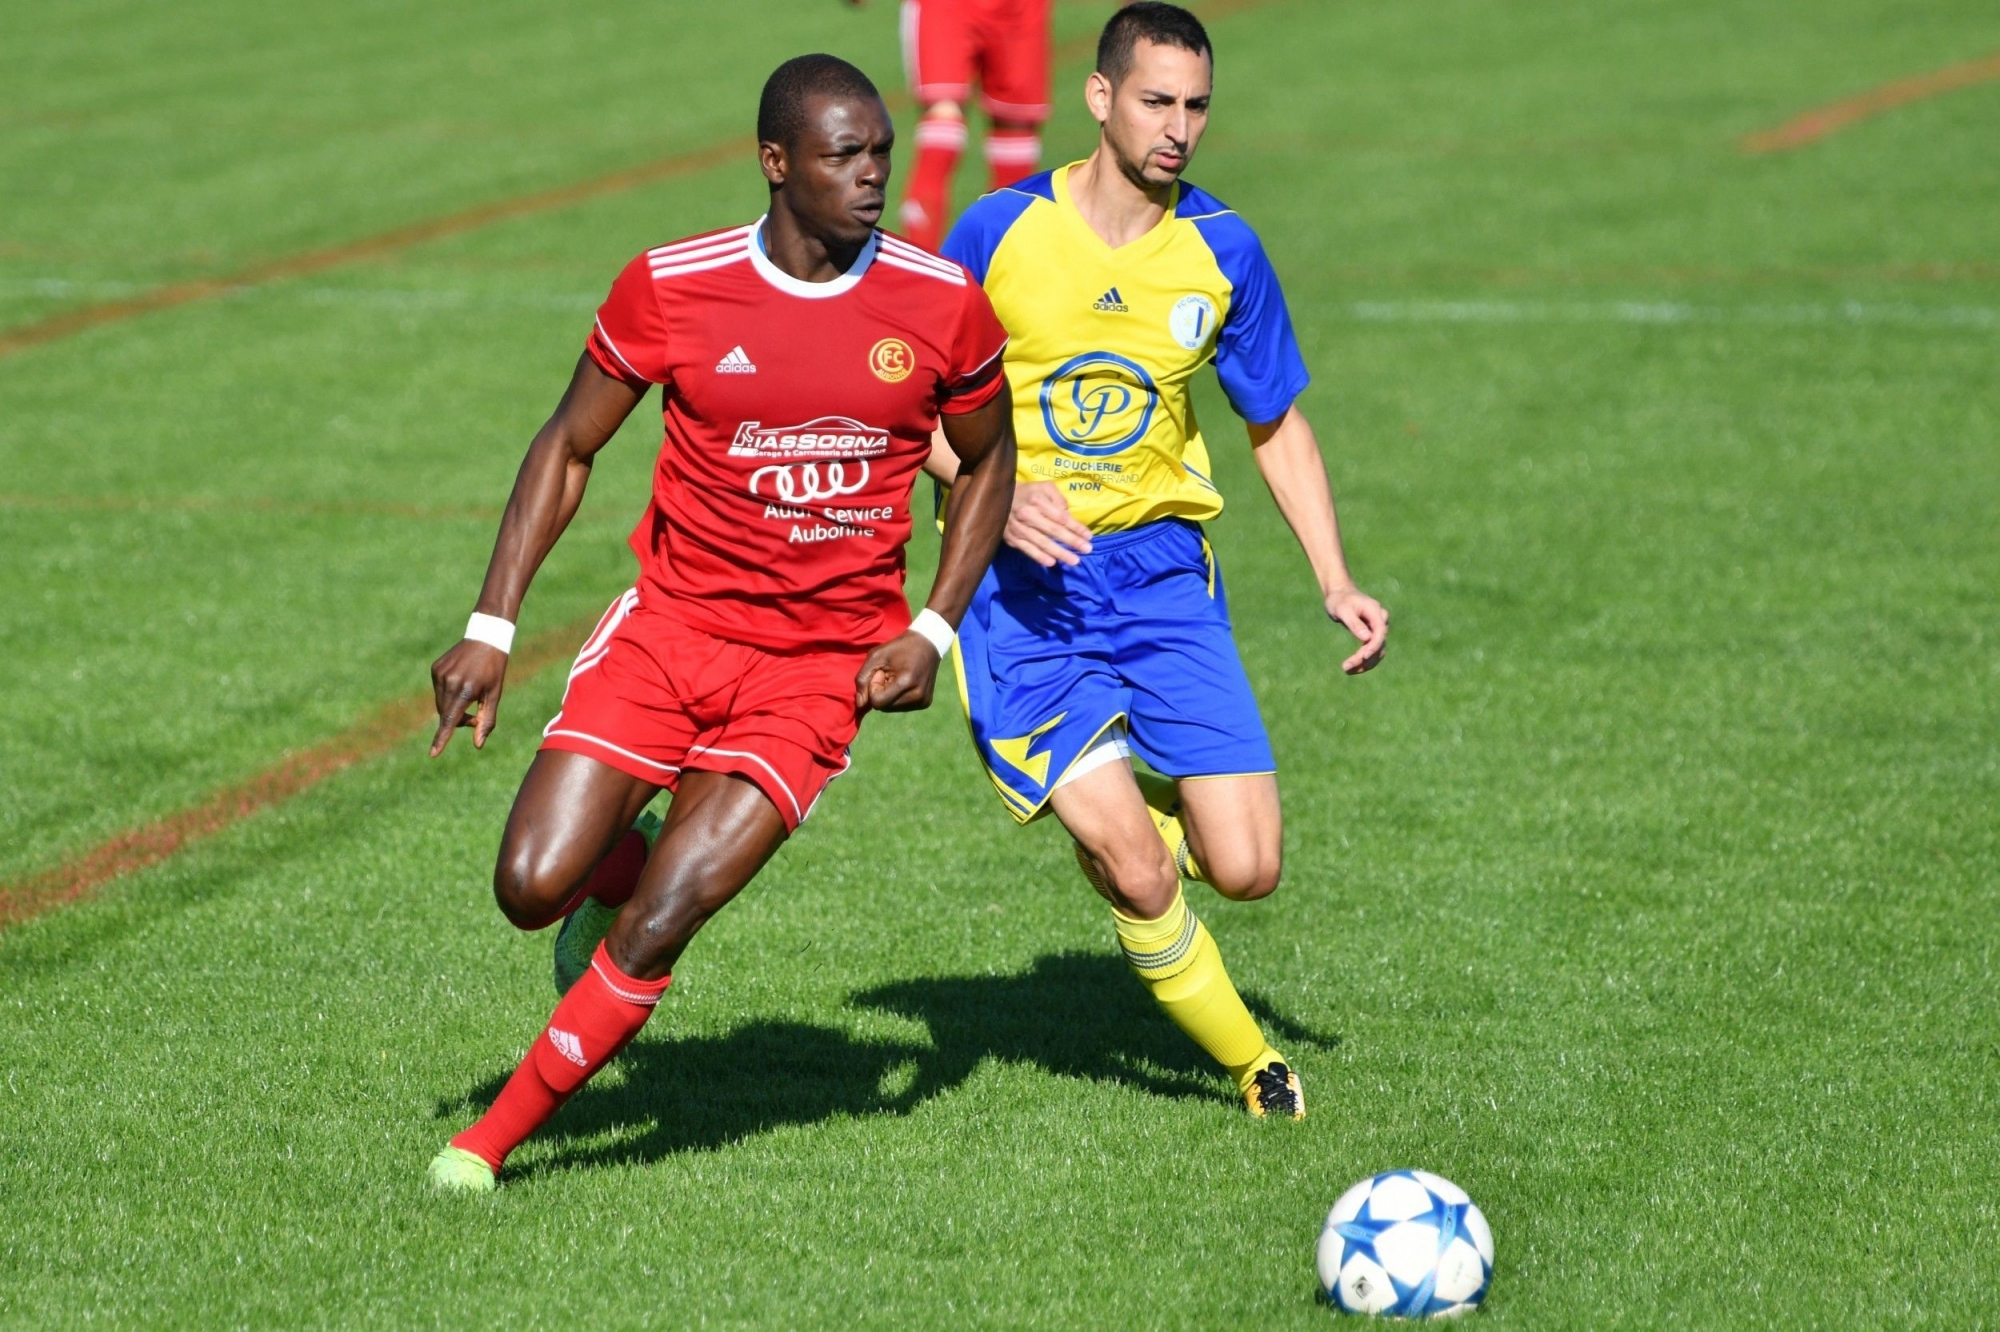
(1004, 44)
(805, 360)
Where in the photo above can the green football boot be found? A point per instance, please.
(455, 1170)
(584, 928)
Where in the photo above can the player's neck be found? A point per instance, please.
(1119, 209)
(799, 253)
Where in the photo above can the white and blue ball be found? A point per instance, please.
(1407, 1244)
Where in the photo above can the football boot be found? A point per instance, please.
(455, 1170)
(1274, 1092)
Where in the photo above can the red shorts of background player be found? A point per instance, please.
(650, 696)
(1003, 44)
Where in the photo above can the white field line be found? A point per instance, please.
(1669, 313)
(1475, 311)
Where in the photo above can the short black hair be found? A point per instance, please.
(781, 111)
(1148, 21)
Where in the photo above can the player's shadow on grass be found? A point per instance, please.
(1080, 1015)
(1074, 1015)
(699, 1093)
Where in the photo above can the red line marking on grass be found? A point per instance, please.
(245, 504)
(1816, 124)
(451, 224)
(374, 735)
(372, 247)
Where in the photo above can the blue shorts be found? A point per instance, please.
(1052, 660)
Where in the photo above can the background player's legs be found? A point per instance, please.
(1013, 56)
(1236, 832)
(1169, 949)
(570, 812)
(937, 54)
(927, 202)
(1013, 152)
(719, 833)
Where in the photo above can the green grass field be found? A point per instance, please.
(1651, 890)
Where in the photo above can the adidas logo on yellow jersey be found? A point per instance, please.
(1111, 303)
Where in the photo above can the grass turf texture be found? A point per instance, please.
(1648, 891)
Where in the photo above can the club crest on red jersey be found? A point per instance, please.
(823, 437)
(892, 360)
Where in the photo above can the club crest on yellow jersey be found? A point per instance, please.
(1193, 321)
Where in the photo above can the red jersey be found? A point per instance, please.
(797, 414)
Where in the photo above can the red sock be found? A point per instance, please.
(927, 203)
(1011, 155)
(616, 875)
(590, 1026)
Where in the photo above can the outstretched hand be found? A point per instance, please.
(898, 676)
(1367, 620)
(1040, 525)
(467, 681)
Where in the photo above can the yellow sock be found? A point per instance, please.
(1178, 961)
(1163, 800)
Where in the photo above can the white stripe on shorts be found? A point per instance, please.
(1110, 748)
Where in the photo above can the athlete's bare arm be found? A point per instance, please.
(1288, 455)
(547, 490)
(900, 675)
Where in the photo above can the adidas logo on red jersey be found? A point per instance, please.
(736, 363)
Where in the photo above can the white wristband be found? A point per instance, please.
(936, 630)
(491, 630)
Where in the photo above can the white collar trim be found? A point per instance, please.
(812, 291)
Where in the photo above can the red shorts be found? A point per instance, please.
(1004, 43)
(652, 696)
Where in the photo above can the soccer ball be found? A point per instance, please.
(1408, 1244)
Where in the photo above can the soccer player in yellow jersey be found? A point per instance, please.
(1102, 631)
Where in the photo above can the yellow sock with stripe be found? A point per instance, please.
(1163, 802)
(1178, 961)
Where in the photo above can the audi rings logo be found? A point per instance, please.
(809, 483)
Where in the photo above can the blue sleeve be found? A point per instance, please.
(1256, 354)
(983, 226)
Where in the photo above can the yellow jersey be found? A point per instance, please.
(1103, 343)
